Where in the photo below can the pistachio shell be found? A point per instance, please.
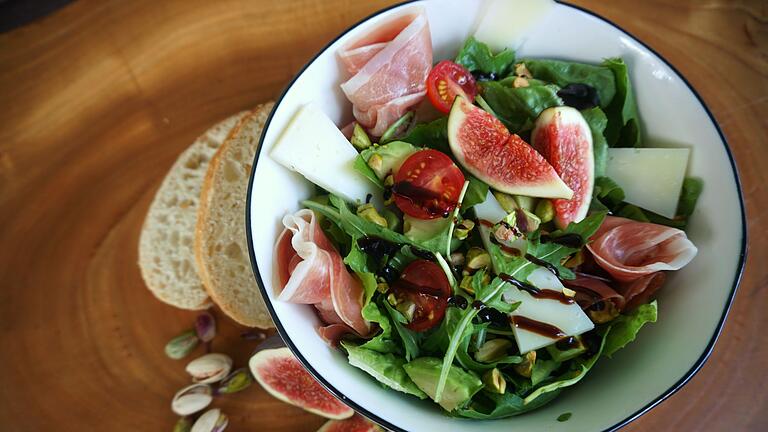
(183, 425)
(180, 346)
(192, 399)
(212, 420)
(210, 368)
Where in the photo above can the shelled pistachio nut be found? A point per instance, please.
(494, 381)
(212, 420)
(210, 368)
(192, 399)
(238, 380)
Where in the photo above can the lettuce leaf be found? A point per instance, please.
(386, 368)
(623, 121)
(477, 57)
(597, 121)
(624, 328)
(383, 341)
(563, 73)
(518, 107)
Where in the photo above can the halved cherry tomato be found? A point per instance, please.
(427, 185)
(424, 284)
(448, 80)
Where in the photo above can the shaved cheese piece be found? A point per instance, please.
(489, 210)
(505, 22)
(312, 145)
(569, 318)
(651, 177)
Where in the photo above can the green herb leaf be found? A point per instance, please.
(689, 196)
(542, 369)
(386, 368)
(477, 57)
(623, 121)
(433, 135)
(563, 73)
(409, 338)
(624, 328)
(518, 107)
(383, 341)
(597, 121)
(362, 167)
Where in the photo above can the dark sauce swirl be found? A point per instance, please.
(538, 327)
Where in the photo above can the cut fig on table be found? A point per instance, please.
(281, 374)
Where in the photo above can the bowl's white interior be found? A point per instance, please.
(690, 306)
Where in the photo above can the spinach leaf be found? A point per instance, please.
(624, 328)
(477, 57)
(563, 73)
(433, 135)
(409, 338)
(623, 122)
(386, 368)
(518, 107)
(596, 119)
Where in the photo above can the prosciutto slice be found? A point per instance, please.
(390, 65)
(592, 290)
(309, 270)
(629, 250)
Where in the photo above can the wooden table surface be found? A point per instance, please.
(98, 99)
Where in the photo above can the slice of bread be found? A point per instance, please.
(220, 241)
(166, 245)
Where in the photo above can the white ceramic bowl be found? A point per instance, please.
(692, 306)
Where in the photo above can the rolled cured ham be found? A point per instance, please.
(390, 64)
(629, 250)
(309, 270)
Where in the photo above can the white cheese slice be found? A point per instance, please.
(312, 145)
(569, 318)
(651, 177)
(505, 22)
(489, 210)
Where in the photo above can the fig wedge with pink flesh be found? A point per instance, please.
(281, 374)
(563, 137)
(485, 148)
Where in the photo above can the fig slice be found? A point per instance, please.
(357, 423)
(563, 137)
(281, 374)
(485, 148)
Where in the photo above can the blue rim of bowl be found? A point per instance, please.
(666, 394)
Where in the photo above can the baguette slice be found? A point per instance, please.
(220, 241)
(166, 244)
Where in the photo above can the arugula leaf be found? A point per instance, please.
(580, 366)
(409, 338)
(476, 192)
(489, 292)
(477, 57)
(357, 227)
(689, 196)
(624, 328)
(623, 122)
(563, 73)
(608, 192)
(386, 368)
(553, 253)
(362, 167)
(597, 121)
(383, 341)
(495, 406)
(431, 234)
(518, 107)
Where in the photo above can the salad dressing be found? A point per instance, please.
(538, 327)
(432, 202)
(543, 294)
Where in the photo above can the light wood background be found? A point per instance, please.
(98, 99)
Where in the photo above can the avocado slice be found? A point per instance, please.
(387, 158)
(459, 388)
(566, 349)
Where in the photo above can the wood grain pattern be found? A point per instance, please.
(99, 98)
